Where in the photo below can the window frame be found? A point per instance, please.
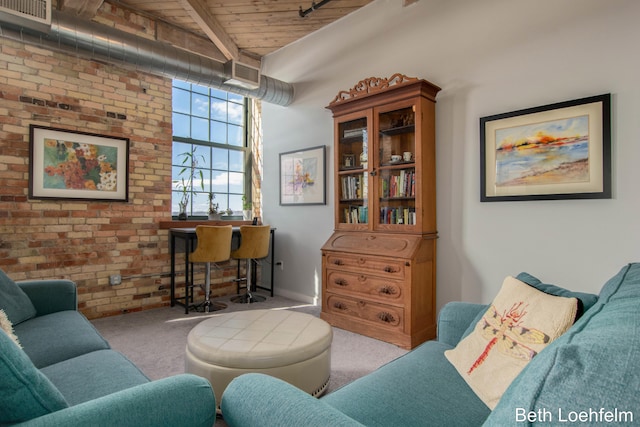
(245, 149)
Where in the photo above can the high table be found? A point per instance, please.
(189, 238)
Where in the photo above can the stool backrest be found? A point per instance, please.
(214, 243)
(254, 242)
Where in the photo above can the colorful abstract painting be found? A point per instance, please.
(554, 152)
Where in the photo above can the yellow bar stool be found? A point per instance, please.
(254, 245)
(214, 245)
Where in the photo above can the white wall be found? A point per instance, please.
(489, 57)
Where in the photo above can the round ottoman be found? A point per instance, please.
(292, 346)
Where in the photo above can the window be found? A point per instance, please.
(212, 124)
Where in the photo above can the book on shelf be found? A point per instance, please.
(356, 214)
(397, 215)
(354, 186)
(401, 185)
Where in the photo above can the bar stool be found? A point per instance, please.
(214, 245)
(254, 244)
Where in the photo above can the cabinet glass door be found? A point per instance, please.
(397, 168)
(353, 175)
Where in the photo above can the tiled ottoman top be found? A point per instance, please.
(259, 338)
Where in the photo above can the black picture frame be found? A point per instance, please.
(551, 152)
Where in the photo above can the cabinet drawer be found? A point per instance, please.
(382, 289)
(379, 314)
(392, 268)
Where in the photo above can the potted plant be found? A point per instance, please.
(187, 174)
(246, 208)
(213, 208)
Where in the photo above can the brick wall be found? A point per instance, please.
(88, 241)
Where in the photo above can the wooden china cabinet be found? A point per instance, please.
(379, 266)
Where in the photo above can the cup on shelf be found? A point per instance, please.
(407, 156)
(396, 157)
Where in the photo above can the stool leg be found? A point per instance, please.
(207, 288)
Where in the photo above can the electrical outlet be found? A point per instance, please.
(281, 264)
(115, 279)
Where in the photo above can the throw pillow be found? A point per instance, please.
(585, 300)
(5, 324)
(519, 323)
(25, 392)
(15, 303)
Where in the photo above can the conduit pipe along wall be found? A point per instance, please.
(77, 36)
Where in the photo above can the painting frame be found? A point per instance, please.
(520, 162)
(81, 165)
(303, 177)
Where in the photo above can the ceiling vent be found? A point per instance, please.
(34, 14)
(241, 75)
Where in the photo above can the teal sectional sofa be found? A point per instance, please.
(590, 375)
(66, 374)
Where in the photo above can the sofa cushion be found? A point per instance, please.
(586, 300)
(14, 301)
(25, 393)
(418, 388)
(591, 371)
(520, 322)
(58, 336)
(93, 375)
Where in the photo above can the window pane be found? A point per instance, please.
(181, 101)
(200, 205)
(236, 114)
(181, 125)
(236, 98)
(179, 149)
(236, 182)
(218, 132)
(235, 137)
(220, 158)
(200, 129)
(235, 202)
(200, 105)
(200, 89)
(182, 85)
(218, 109)
(219, 182)
(219, 94)
(236, 160)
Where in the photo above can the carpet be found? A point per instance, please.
(155, 340)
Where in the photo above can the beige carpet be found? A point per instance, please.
(155, 340)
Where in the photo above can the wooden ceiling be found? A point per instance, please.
(244, 30)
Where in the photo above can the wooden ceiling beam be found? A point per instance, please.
(82, 8)
(199, 12)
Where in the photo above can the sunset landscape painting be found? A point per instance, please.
(549, 152)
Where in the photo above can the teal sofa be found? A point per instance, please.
(66, 374)
(588, 376)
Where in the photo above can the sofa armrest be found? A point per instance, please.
(181, 400)
(260, 400)
(455, 318)
(50, 296)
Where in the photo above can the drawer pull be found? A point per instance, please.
(341, 282)
(388, 290)
(389, 269)
(386, 317)
(338, 262)
(339, 306)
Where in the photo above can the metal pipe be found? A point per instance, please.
(97, 41)
(314, 6)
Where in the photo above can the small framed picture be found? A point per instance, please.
(349, 160)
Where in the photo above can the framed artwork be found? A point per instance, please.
(77, 165)
(552, 152)
(302, 177)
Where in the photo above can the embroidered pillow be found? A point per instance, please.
(15, 303)
(7, 327)
(519, 323)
